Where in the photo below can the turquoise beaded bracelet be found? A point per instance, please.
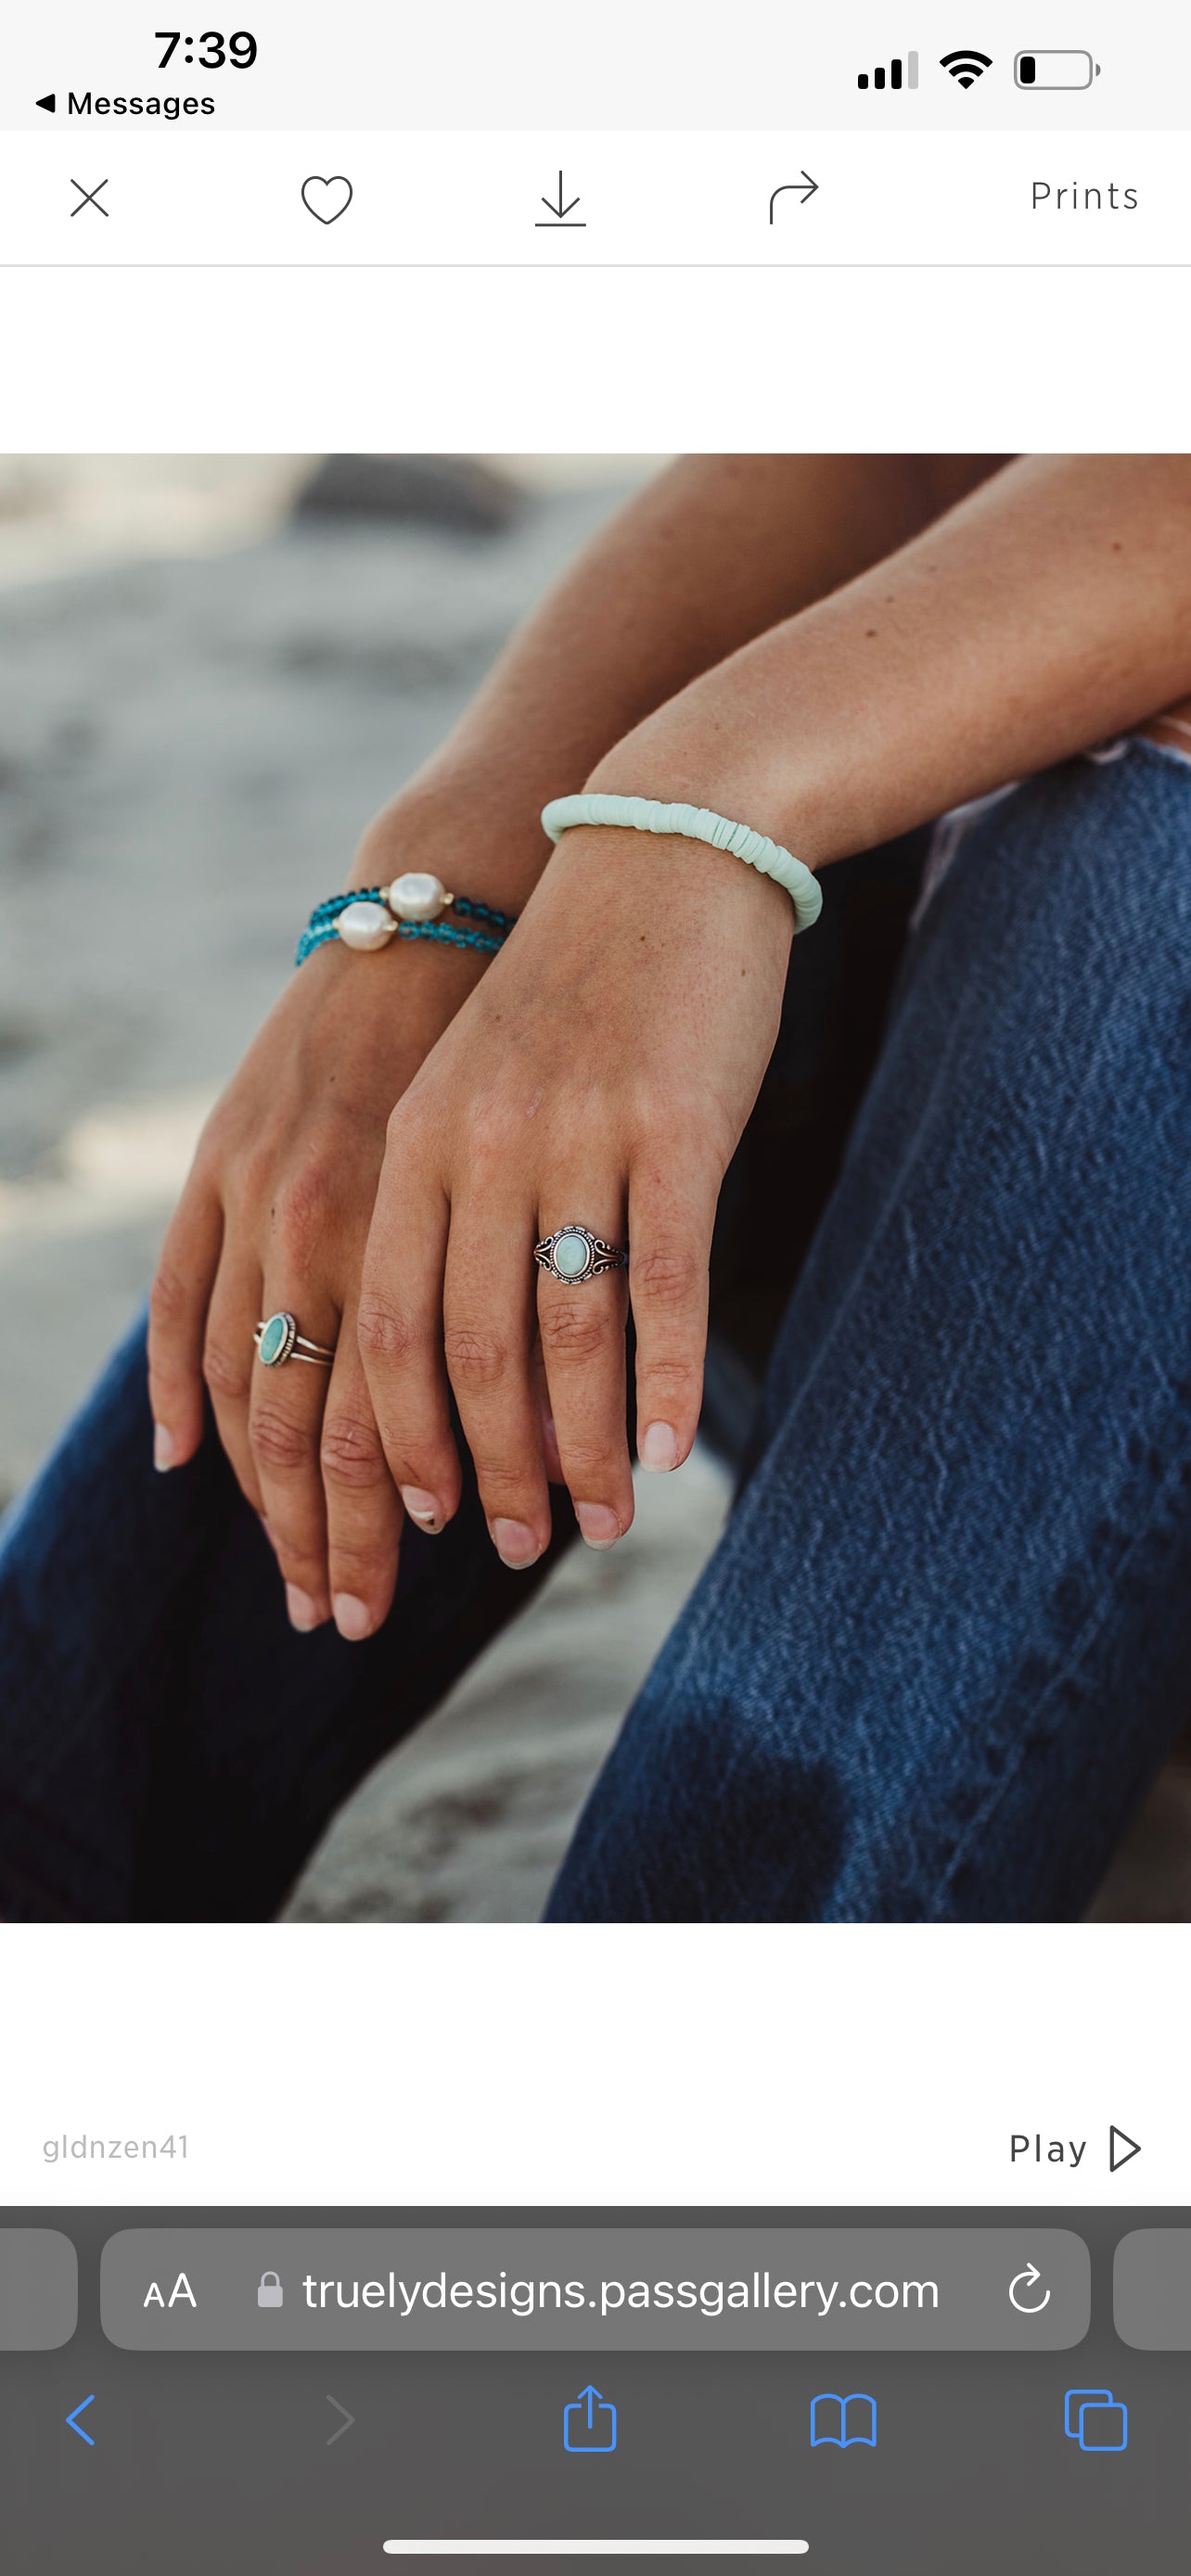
(370, 916)
(694, 823)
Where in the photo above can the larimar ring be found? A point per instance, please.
(278, 1340)
(575, 1254)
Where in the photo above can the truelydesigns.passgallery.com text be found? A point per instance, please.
(753, 2292)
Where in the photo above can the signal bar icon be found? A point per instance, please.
(893, 78)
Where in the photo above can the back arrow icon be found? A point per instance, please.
(1029, 2307)
(340, 2429)
(75, 2426)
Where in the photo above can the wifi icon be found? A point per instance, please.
(966, 65)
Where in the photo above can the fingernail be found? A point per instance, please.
(303, 1612)
(163, 1448)
(422, 1507)
(515, 1544)
(658, 1448)
(599, 1525)
(352, 1618)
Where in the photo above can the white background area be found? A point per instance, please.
(667, 2065)
(482, 2064)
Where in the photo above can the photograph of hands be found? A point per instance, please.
(644, 1378)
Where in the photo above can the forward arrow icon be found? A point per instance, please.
(340, 2429)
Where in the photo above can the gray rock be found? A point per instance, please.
(445, 491)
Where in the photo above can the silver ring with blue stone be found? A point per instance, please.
(575, 1254)
(277, 1339)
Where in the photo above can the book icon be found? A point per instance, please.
(843, 2420)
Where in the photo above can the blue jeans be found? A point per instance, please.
(944, 1643)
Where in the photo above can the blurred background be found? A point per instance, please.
(212, 671)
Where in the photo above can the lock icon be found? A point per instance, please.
(270, 2294)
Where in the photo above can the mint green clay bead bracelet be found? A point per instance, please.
(693, 823)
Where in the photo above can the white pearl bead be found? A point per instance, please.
(365, 925)
(417, 896)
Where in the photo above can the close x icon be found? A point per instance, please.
(88, 197)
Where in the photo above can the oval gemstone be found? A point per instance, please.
(572, 1254)
(274, 1343)
(417, 896)
(365, 925)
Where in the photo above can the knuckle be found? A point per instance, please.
(592, 1464)
(226, 1374)
(278, 1443)
(352, 1557)
(408, 1129)
(571, 1330)
(665, 1276)
(504, 1482)
(304, 1210)
(475, 1360)
(386, 1335)
(677, 1371)
(170, 1299)
(351, 1453)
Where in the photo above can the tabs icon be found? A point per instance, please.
(1095, 2419)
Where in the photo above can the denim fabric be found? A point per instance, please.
(169, 1748)
(946, 1638)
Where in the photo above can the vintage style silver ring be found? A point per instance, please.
(278, 1340)
(575, 1254)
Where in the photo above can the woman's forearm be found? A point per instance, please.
(713, 552)
(1047, 610)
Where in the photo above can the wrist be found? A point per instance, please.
(723, 767)
(485, 846)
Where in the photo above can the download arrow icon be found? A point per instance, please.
(560, 211)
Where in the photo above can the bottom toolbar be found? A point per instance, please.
(135, 2445)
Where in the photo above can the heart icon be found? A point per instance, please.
(328, 199)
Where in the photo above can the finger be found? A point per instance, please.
(550, 1457)
(363, 1509)
(488, 1330)
(399, 1330)
(582, 1325)
(285, 1420)
(228, 1360)
(670, 1220)
(178, 1303)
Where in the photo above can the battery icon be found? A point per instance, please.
(1072, 69)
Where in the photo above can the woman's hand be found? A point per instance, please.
(600, 1076)
(275, 1215)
